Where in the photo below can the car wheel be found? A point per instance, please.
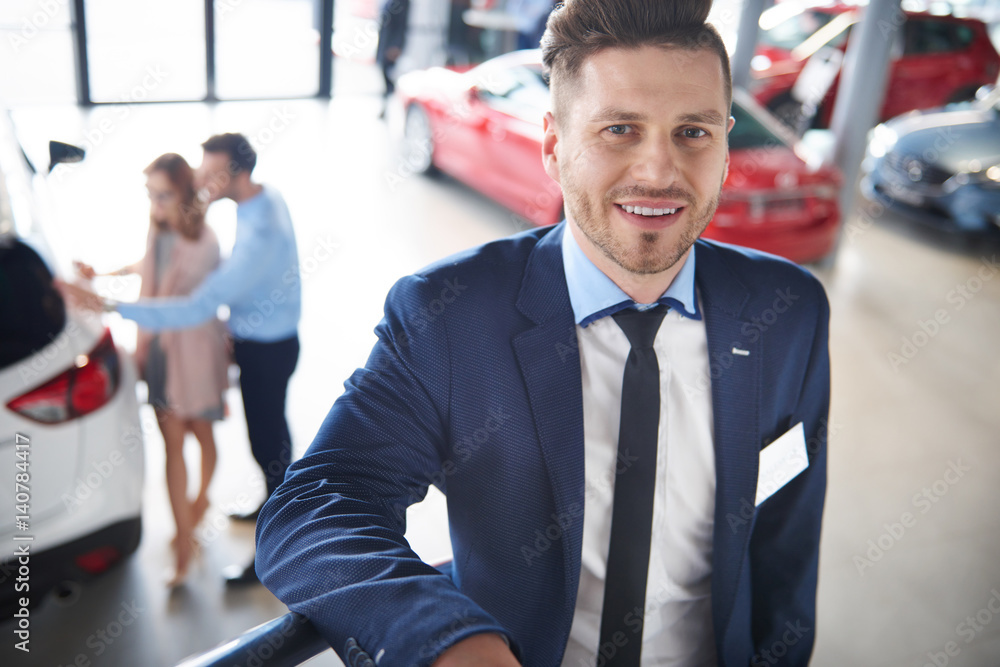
(418, 140)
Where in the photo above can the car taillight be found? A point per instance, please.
(78, 391)
(98, 560)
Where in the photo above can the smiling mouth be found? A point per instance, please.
(650, 212)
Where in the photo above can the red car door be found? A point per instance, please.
(510, 144)
(935, 65)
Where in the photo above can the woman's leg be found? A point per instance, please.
(202, 429)
(173, 438)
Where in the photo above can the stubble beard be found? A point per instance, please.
(646, 256)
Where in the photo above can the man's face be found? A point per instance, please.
(640, 150)
(213, 177)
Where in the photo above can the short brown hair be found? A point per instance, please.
(577, 29)
(242, 156)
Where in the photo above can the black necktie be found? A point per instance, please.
(635, 482)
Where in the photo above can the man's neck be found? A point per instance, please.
(245, 191)
(641, 288)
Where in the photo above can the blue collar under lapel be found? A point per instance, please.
(735, 382)
(549, 357)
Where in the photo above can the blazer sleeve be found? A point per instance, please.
(784, 546)
(330, 539)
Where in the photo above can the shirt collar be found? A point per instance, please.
(593, 295)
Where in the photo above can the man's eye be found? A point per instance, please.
(694, 133)
(619, 129)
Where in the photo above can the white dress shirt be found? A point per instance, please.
(678, 623)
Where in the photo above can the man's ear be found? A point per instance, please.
(729, 128)
(550, 139)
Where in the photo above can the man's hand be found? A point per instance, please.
(485, 650)
(85, 271)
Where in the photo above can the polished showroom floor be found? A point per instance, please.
(908, 405)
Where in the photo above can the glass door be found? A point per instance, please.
(266, 48)
(146, 50)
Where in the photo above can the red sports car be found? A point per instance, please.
(934, 59)
(484, 127)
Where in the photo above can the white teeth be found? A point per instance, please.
(639, 210)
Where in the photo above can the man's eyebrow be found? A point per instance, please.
(709, 117)
(616, 115)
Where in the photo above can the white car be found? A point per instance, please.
(71, 447)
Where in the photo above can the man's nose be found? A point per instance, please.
(656, 162)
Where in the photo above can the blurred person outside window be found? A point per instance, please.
(393, 17)
(531, 17)
(260, 284)
(185, 370)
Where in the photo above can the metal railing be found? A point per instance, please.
(281, 642)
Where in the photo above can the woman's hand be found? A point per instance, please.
(79, 297)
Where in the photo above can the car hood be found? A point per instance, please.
(950, 138)
(776, 168)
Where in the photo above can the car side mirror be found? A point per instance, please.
(60, 153)
(985, 91)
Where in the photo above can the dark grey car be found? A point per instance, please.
(941, 166)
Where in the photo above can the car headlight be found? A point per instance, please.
(988, 179)
(883, 140)
(992, 180)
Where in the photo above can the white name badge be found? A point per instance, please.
(781, 462)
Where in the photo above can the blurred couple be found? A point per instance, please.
(183, 349)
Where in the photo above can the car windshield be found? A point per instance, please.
(748, 132)
(519, 90)
(794, 30)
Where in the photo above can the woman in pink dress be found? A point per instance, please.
(185, 370)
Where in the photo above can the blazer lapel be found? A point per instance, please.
(735, 407)
(549, 358)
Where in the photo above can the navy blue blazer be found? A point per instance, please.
(474, 386)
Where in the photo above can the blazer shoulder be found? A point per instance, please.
(758, 271)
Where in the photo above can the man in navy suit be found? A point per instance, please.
(507, 376)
